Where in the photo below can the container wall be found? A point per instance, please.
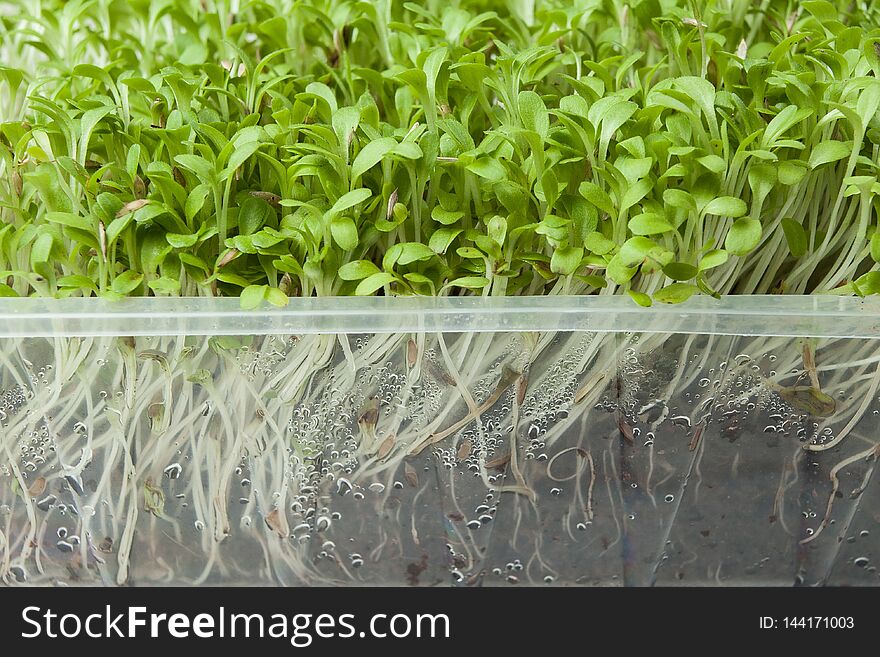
(569, 457)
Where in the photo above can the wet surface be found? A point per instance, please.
(472, 459)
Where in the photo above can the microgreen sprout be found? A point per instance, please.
(713, 150)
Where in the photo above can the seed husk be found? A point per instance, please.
(385, 448)
(410, 474)
(132, 206)
(810, 400)
(38, 487)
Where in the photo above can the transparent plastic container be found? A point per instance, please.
(455, 441)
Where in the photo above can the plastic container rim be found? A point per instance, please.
(785, 316)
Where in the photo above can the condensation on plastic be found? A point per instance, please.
(542, 441)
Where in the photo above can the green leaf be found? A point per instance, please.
(597, 196)
(203, 169)
(41, 251)
(875, 246)
(373, 283)
(791, 172)
(489, 168)
(194, 261)
(705, 288)
(70, 219)
(126, 282)
(165, 285)
(712, 259)
(412, 252)
(678, 198)
(649, 223)
(288, 264)
(787, 118)
(252, 215)
(726, 206)
(675, 293)
(868, 283)
(593, 280)
(469, 253)
(78, 282)
(597, 243)
(635, 250)
(635, 193)
(445, 217)
(796, 237)
(350, 199)
(253, 296)
(138, 84)
(469, 282)
(713, 163)
(181, 240)
(680, 271)
(619, 272)
(230, 277)
(132, 160)
(442, 238)
(357, 270)
(496, 228)
(240, 155)
(276, 297)
(195, 201)
(324, 92)
(153, 250)
(407, 150)
(344, 232)
(117, 226)
(533, 113)
(565, 260)
(345, 121)
(370, 155)
(640, 298)
(420, 279)
(828, 151)
(744, 236)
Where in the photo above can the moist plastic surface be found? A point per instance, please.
(546, 441)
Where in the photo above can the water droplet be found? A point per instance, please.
(46, 503)
(173, 471)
